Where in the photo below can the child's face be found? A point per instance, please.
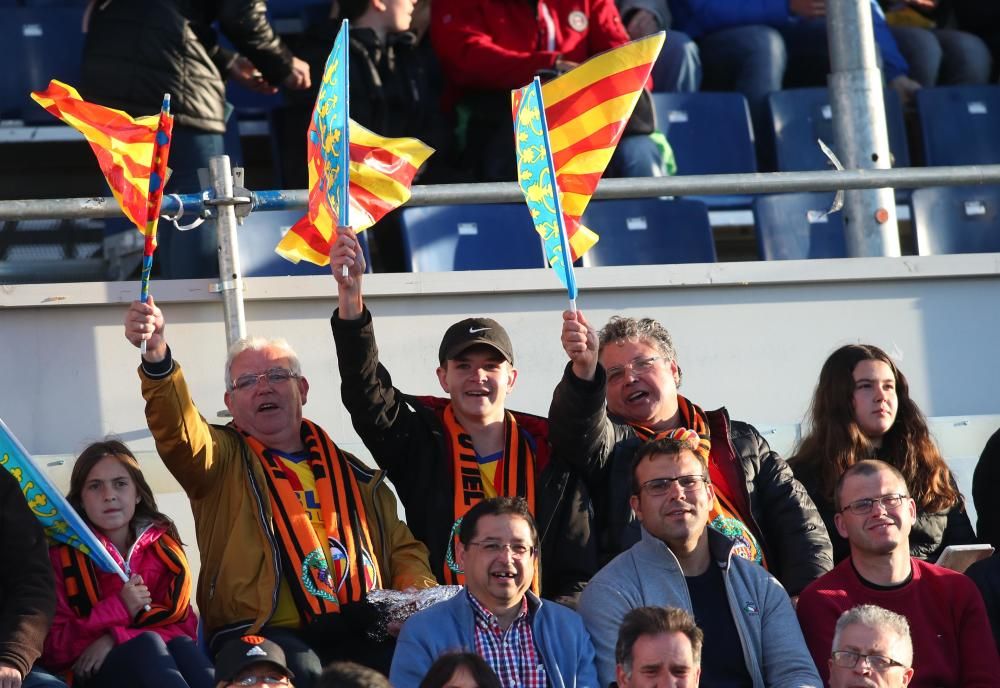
(109, 496)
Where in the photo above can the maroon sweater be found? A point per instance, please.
(952, 643)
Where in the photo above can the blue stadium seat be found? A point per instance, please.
(957, 219)
(710, 133)
(960, 125)
(49, 45)
(470, 237)
(262, 231)
(792, 226)
(649, 231)
(802, 115)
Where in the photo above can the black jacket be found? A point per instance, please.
(137, 50)
(784, 519)
(27, 586)
(986, 575)
(984, 492)
(930, 534)
(407, 440)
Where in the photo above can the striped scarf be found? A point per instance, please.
(724, 515)
(514, 477)
(83, 588)
(317, 588)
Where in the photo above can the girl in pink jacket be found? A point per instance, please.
(108, 633)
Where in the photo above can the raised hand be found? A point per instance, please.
(347, 263)
(579, 341)
(144, 321)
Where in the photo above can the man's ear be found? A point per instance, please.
(838, 521)
(442, 373)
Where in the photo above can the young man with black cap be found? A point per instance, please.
(468, 441)
(252, 660)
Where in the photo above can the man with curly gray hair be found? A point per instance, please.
(619, 390)
(871, 647)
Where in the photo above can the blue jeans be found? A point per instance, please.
(147, 661)
(636, 156)
(943, 57)
(39, 678)
(678, 68)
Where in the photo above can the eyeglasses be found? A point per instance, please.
(493, 548)
(638, 366)
(274, 376)
(848, 660)
(863, 507)
(657, 487)
(269, 680)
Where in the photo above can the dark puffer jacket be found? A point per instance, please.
(784, 519)
(930, 534)
(137, 50)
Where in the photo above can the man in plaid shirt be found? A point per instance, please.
(528, 643)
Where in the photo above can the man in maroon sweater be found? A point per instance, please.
(952, 643)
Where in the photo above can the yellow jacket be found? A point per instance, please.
(238, 585)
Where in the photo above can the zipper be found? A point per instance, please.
(262, 517)
(737, 613)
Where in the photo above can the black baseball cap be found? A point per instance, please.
(472, 331)
(240, 653)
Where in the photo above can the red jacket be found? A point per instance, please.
(499, 44)
(70, 635)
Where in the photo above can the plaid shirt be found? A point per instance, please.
(511, 653)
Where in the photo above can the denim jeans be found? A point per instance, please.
(39, 678)
(943, 57)
(678, 68)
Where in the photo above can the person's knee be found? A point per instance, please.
(967, 58)
(678, 68)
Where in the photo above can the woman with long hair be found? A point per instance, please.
(862, 410)
(138, 633)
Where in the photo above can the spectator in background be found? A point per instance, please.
(953, 647)
(985, 480)
(658, 647)
(862, 410)
(986, 575)
(871, 647)
(252, 658)
(678, 68)
(489, 47)
(460, 670)
(983, 19)
(937, 56)
(27, 590)
(620, 389)
(137, 51)
(351, 675)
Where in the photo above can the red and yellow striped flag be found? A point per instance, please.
(124, 145)
(587, 109)
(381, 173)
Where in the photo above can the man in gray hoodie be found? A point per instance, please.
(752, 637)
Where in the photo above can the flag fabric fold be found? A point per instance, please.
(131, 152)
(58, 518)
(355, 175)
(587, 109)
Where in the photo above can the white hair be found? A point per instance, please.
(878, 619)
(260, 344)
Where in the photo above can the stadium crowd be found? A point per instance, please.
(630, 537)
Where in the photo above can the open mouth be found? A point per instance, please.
(267, 406)
(503, 575)
(636, 396)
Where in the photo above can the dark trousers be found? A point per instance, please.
(147, 661)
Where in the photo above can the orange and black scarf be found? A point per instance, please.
(83, 589)
(317, 589)
(514, 477)
(725, 516)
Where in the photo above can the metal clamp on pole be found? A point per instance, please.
(231, 276)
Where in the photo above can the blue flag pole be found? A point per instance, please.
(345, 138)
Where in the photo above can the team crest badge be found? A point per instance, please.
(578, 20)
(371, 573)
(341, 563)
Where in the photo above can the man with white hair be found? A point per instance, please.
(293, 532)
(871, 648)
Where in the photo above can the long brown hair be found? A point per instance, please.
(146, 509)
(835, 442)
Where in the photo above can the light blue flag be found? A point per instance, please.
(536, 175)
(330, 130)
(58, 518)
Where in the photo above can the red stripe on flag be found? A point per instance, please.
(605, 137)
(132, 197)
(383, 160)
(375, 205)
(609, 87)
(307, 231)
(583, 184)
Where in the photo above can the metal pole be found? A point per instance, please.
(859, 126)
(230, 276)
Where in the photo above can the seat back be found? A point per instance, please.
(649, 231)
(710, 133)
(960, 125)
(802, 115)
(470, 237)
(259, 235)
(795, 226)
(48, 44)
(957, 219)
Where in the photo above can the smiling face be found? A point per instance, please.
(678, 518)
(648, 398)
(500, 579)
(869, 641)
(478, 380)
(883, 530)
(270, 412)
(664, 660)
(109, 498)
(874, 400)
